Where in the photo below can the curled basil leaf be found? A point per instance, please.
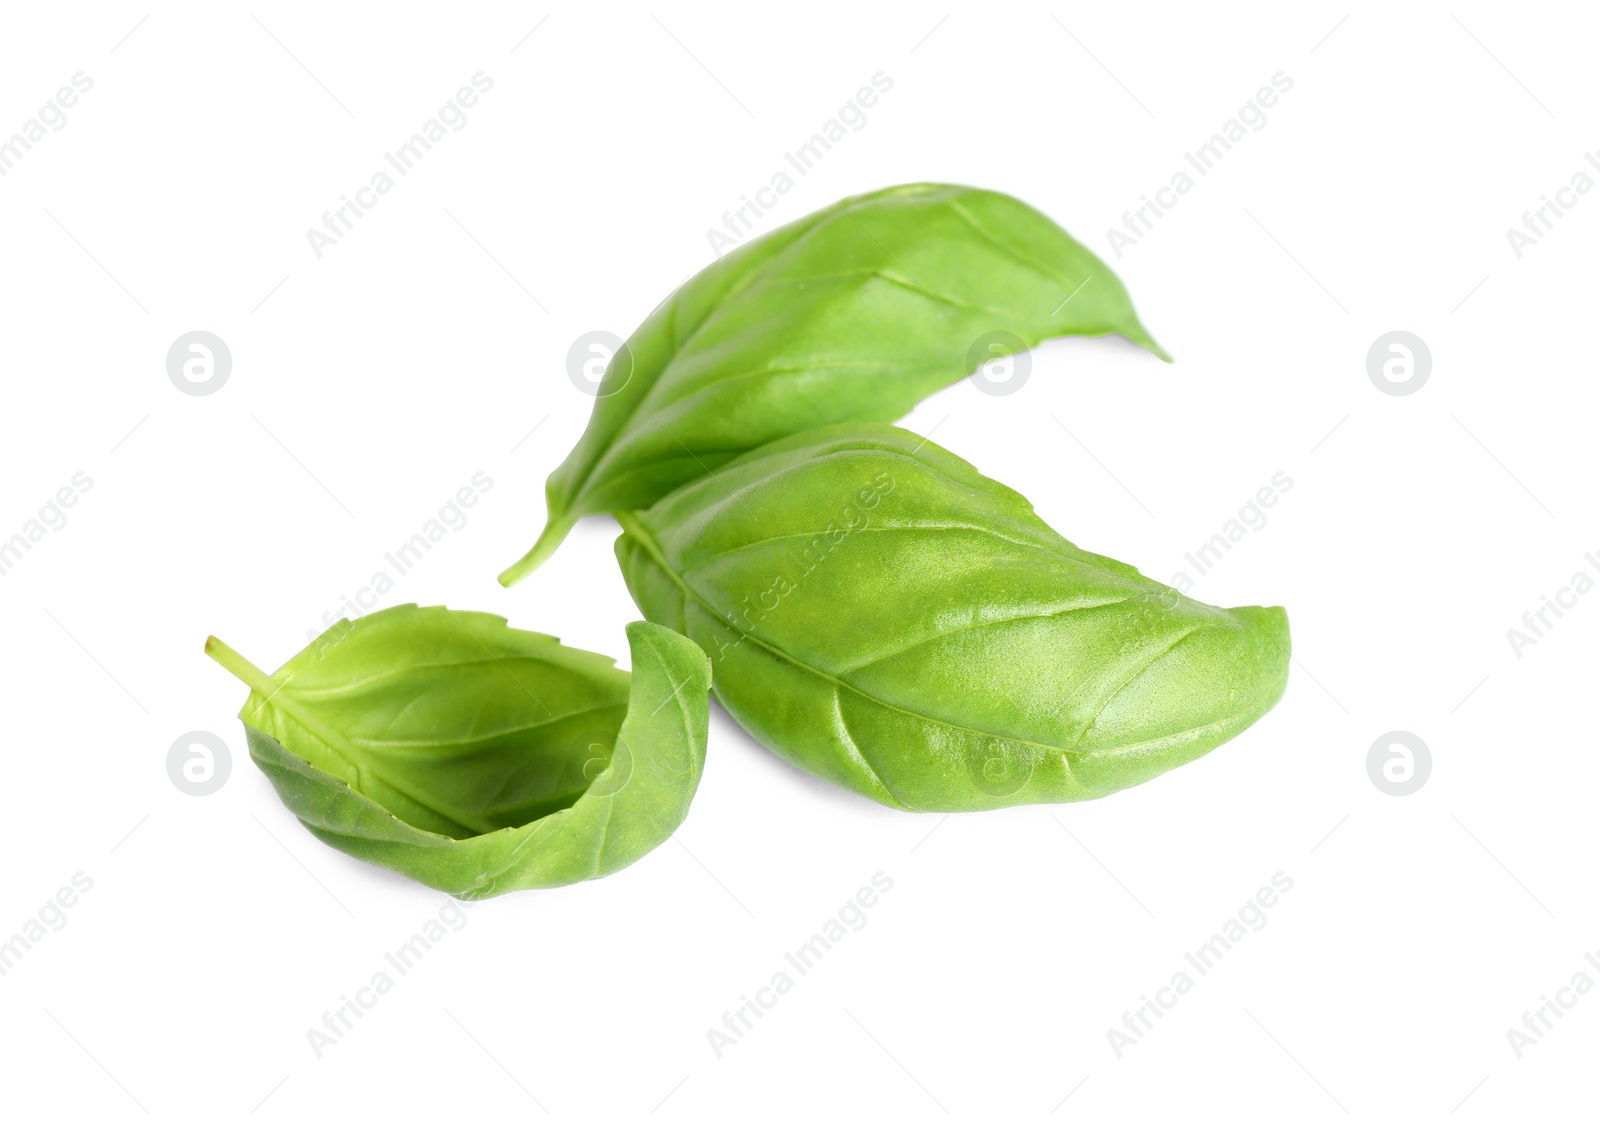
(880, 614)
(476, 758)
(853, 313)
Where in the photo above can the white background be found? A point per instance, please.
(369, 385)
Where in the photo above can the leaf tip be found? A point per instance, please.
(1144, 340)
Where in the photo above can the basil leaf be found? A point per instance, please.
(476, 758)
(880, 614)
(853, 313)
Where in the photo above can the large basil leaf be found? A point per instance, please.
(880, 614)
(477, 758)
(853, 313)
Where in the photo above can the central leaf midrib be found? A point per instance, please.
(498, 734)
(632, 527)
(286, 701)
(678, 346)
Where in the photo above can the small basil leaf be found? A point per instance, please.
(880, 614)
(853, 313)
(476, 758)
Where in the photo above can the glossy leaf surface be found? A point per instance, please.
(853, 313)
(882, 615)
(477, 758)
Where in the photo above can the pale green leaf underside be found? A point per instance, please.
(477, 758)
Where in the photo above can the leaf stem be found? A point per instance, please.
(265, 686)
(239, 666)
(555, 531)
(629, 520)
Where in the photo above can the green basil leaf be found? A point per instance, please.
(853, 313)
(476, 758)
(880, 614)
